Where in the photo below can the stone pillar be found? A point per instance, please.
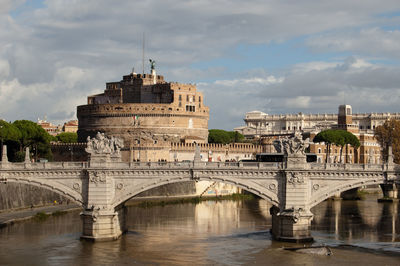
(390, 192)
(27, 157)
(101, 221)
(103, 225)
(337, 196)
(291, 225)
(99, 160)
(291, 222)
(4, 158)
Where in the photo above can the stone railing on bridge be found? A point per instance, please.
(348, 167)
(142, 165)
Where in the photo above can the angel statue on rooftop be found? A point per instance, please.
(152, 64)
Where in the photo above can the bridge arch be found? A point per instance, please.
(63, 190)
(247, 185)
(331, 191)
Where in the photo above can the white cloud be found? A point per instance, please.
(8, 5)
(4, 69)
(248, 81)
(319, 88)
(53, 57)
(370, 41)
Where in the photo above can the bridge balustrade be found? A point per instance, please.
(343, 166)
(47, 165)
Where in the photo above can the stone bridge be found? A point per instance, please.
(102, 186)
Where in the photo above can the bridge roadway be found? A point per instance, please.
(102, 187)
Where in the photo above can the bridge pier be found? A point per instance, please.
(291, 222)
(101, 220)
(103, 225)
(390, 192)
(291, 225)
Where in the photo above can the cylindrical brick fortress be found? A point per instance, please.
(144, 109)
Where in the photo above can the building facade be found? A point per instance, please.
(70, 127)
(49, 127)
(258, 123)
(148, 113)
(362, 126)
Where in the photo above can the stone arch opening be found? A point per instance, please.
(73, 196)
(262, 192)
(342, 187)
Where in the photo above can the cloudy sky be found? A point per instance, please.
(274, 56)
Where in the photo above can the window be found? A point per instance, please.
(187, 98)
(180, 97)
(200, 99)
(319, 150)
(190, 108)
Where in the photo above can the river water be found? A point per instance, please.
(211, 233)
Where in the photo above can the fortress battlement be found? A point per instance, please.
(139, 109)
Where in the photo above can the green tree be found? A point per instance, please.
(345, 138)
(236, 136)
(9, 134)
(224, 137)
(389, 134)
(328, 137)
(67, 137)
(340, 138)
(34, 137)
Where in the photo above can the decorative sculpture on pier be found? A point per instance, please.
(104, 145)
(292, 145)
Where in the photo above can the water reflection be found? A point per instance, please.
(209, 233)
(365, 220)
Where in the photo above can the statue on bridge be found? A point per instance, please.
(292, 145)
(104, 145)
